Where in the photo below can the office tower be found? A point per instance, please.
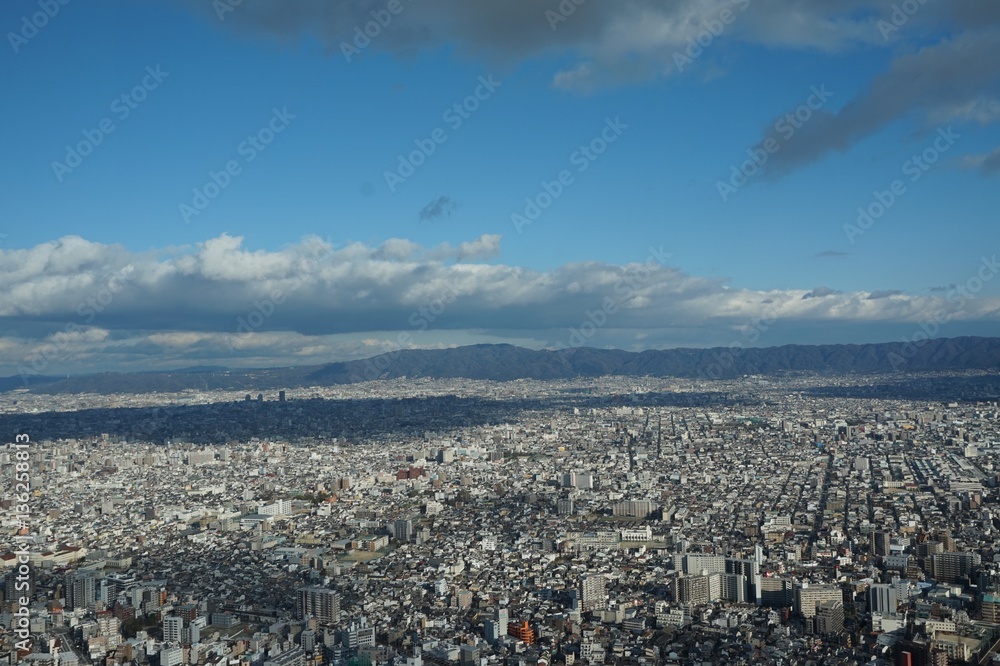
(592, 593)
(281, 396)
(882, 598)
(565, 506)
(318, 602)
(503, 617)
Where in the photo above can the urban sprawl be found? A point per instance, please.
(792, 520)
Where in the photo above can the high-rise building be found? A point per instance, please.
(751, 570)
(634, 508)
(882, 598)
(318, 602)
(880, 541)
(565, 506)
(830, 617)
(949, 566)
(173, 629)
(493, 630)
(697, 563)
(592, 592)
(692, 590)
(402, 530)
(990, 607)
(503, 616)
(19, 585)
(809, 597)
(81, 589)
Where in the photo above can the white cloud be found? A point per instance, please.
(220, 303)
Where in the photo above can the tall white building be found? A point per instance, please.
(592, 592)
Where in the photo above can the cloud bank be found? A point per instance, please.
(72, 305)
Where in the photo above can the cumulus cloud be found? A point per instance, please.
(75, 305)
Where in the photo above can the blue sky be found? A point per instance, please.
(894, 88)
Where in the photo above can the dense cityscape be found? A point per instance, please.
(402, 522)
(500, 333)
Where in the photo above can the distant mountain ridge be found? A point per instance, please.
(507, 362)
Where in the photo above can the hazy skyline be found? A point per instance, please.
(251, 183)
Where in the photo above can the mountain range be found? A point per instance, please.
(507, 362)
